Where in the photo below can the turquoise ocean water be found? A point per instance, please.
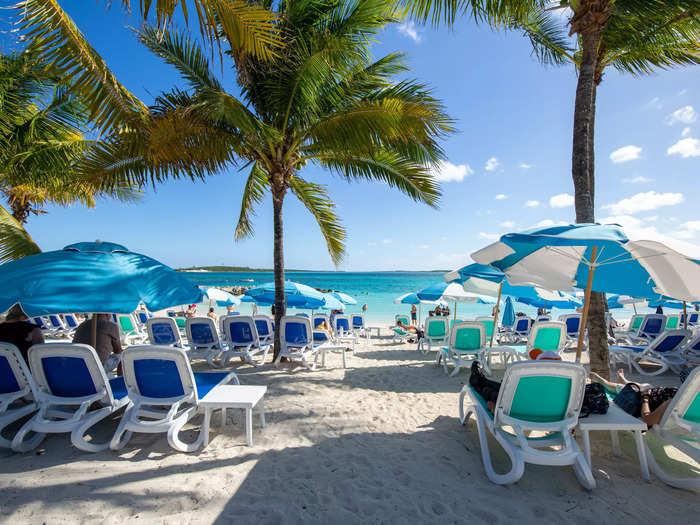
(375, 289)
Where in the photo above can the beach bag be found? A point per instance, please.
(629, 399)
(594, 400)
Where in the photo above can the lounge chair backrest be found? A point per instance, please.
(543, 319)
(693, 317)
(670, 341)
(342, 324)
(142, 317)
(163, 331)
(468, 335)
(181, 323)
(540, 392)
(437, 327)
(694, 343)
(635, 323)
(320, 336)
(488, 323)
(56, 322)
(320, 318)
(572, 322)
(403, 318)
(684, 408)
(158, 375)
(240, 330)
(263, 324)
(547, 336)
(14, 373)
(522, 325)
(126, 323)
(672, 322)
(358, 321)
(68, 370)
(71, 321)
(201, 332)
(40, 323)
(652, 325)
(296, 330)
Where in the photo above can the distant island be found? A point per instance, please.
(229, 269)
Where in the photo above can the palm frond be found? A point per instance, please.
(15, 242)
(316, 199)
(253, 193)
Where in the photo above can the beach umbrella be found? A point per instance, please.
(296, 295)
(412, 298)
(620, 301)
(331, 302)
(453, 293)
(221, 297)
(92, 277)
(594, 257)
(508, 313)
(343, 297)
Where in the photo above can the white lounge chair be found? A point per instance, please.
(631, 330)
(467, 341)
(71, 322)
(692, 319)
(58, 328)
(535, 396)
(673, 322)
(436, 332)
(203, 339)
(547, 336)
(130, 331)
(342, 331)
(264, 326)
(241, 337)
(573, 325)
(359, 327)
(163, 331)
(296, 341)
(165, 394)
(520, 330)
(15, 389)
(665, 351)
(69, 381)
(650, 328)
(679, 428)
(317, 319)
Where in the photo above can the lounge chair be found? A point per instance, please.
(679, 428)
(573, 325)
(538, 396)
(165, 394)
(129, 330)
(264, 326)
(691, 351)
(632, 328)
(342, 330)
(317, 319)
(71, 322)
(324, 344)
(549, 336)
(203, 339)
(543, 319)
(692, 320)
(296, 341)
(650, 328)
(673, 322)
(665, 351)
(70, 382)
(436, 332)
(241, 337)
(163, 331)
(403, 318)
(467, 341)
(520, 330)
(15, 389)
(359, 327)
(59, 328)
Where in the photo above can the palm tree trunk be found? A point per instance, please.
(583, 174)
(278, 192)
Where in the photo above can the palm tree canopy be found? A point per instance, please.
(322, 100)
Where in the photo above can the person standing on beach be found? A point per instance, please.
(414, 313)
(364, 308)
(255, 309)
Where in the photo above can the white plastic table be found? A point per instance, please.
(233, 396)
(323, 349)
(376, 329)
(616, 419)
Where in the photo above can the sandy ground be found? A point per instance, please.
(379, 442)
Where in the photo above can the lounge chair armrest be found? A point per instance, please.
(11, 398)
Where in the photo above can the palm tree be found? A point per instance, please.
(633, 36)
(320, 101)
(42, 140)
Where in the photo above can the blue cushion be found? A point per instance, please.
(342, 324)
(205, 381)
(240, 333)
(8, 381)
(68, 376)
(163, 334)
(158, 378)
(118, 387)
(669, 343)
(262, 327)
(201, 334)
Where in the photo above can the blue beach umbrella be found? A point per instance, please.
(296, 295)
(221, 297)
(92, 277)
(343, 297)
(508, 313)
(593, 257)
(452, 292)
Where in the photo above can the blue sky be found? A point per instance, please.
(509, 166)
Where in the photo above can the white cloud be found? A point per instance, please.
(387, 241)
(686, 148)
(507, 224)
(448, 172)
(693, 226)
(546, 223)
(685, 132)
(685, 115)
(651, 218)
(408, 29)
(625, 154)
(532, 204)
(371, 244)
(525, 166)
(501, 196)
(682, 92)
(492, 164)
(645, 201)
(637, 180)
(490, 236)
(563, 200)
(636, 231)
(654, 103)
(423, 246)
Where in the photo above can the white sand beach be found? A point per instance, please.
(379, 442)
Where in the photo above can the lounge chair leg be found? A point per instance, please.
(19, 444)
(583, 471)
(77, 436)
(10, 418)
(642, 454)
(177, 424)
(122, 435)
(262, 412)
(249, 426)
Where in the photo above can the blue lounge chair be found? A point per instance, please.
(573, 325)
(241, 337)
(665, 351)
(165, 394)
(16, 399)
(264, 326)
(296, 341)
(163, 331)
(203, 339)
(651, 327)
(69, 382)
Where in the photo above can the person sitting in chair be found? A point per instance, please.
(17, 330)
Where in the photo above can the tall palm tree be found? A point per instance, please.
(42, 140)
(633, 36)
(321, 101)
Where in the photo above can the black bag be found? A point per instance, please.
(594, 400)
(629, 399)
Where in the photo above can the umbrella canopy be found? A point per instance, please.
(560, 257)
(452, 292)
(221, 297)
(412, 298)
(296, 295)
(331, 302)
(343, 297)
(486, 280)
(667, 302)
(508, 313)
(619, 301)
(92, 277)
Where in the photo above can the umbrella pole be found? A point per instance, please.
(635, 308)
(586, 304)
(93, 335)
(685, 317)
(495, 317)
(455, 316)
(419, 305)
